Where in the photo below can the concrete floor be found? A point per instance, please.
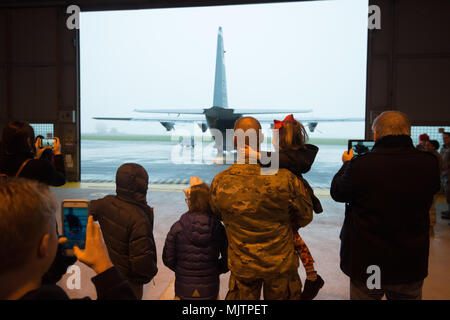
(322, 237)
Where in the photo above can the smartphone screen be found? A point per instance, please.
(75, 222)
(360, 146)
(46, 143)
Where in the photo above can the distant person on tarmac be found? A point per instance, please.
(127, 225)
(259, 212)
(196, 248)
(388, 193)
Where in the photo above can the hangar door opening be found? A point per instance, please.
(148, 78)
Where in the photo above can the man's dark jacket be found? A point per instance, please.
(388, 193)
(192, 249)
(127, 225)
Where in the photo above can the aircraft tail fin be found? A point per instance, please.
(220, 82)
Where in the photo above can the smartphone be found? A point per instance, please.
(74, 216)
(360, 146)
(46, 143)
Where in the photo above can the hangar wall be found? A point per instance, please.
(409, 62)
(38, 74)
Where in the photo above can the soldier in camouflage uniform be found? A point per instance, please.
(257, 211)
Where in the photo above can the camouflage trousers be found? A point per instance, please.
(281, 287)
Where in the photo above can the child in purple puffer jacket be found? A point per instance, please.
(196, 248)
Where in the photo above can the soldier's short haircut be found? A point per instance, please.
(247, 130)
(26, 208)
(391, 123)
(246, 123)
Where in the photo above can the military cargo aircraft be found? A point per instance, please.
(220, 116)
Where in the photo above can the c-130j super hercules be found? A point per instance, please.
(220, 117)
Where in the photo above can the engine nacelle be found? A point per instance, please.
(312, 126)
(168, 125)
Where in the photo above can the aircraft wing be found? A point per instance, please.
(319, 120)
(167, 122)
(312, 123)
(156, 119)
(271, 111)
(177, 111)
(239, 111)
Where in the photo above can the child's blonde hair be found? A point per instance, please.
(292, 136)
(198, 200)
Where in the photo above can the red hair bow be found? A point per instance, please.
(277, 124)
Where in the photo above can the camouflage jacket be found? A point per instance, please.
(258, 212)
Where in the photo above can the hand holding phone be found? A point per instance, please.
(74, 217)
(39, 148)
(347, 156)
(45, 143)
(360, 147)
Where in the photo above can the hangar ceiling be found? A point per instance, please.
(129, 4)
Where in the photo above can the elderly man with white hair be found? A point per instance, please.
(388, 193)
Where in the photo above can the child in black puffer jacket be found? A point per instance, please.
(196, 248)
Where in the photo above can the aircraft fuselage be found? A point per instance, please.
(221, 119)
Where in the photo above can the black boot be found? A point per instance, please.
(312, 288)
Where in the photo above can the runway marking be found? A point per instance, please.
(320, 190)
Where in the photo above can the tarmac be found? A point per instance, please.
(168, 162)
(321, 235)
